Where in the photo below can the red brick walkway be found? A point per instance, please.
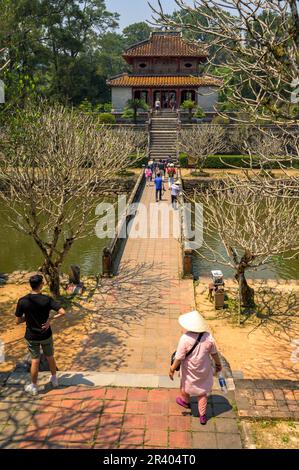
(111, 418)
(135, 328)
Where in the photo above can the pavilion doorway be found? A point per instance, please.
(168, 98)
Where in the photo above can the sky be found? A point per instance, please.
(133, 11)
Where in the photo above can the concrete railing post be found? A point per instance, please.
(187, 263)
(107, 268)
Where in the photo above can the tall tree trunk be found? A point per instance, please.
(246, 292)
(51, 273)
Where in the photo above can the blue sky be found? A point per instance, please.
(133, 11)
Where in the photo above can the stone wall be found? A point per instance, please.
(120, 96)
(207, 98)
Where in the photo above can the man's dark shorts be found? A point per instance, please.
(46, 345)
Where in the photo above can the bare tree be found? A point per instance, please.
(57, 163)
(261, 41)
(252, 229)
(201, 141)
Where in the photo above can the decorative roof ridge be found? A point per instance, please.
(135, 45)
(123, 74)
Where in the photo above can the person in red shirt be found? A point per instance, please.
(171, 171)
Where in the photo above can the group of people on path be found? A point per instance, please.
(168, 104)
(158, 172)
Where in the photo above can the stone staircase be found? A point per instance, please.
(163, 135)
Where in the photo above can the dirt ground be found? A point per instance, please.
(274, 434)
(70, 332)
(263, 346)
(260, 348)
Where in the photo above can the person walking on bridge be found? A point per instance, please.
(171, 171)
(159, 187)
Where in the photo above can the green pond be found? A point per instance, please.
(18, 252)
(277, 269)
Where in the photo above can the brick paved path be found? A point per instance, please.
(81, 417)
(267, 399)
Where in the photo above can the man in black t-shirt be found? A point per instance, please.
(36, 308)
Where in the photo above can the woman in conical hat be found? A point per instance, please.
(196, 367)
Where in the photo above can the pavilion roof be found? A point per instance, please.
(166, 44)
(163, 81)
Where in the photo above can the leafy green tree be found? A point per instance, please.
(136, 32)
(189, 105)
(136, 104)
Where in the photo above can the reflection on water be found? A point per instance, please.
(279, 269)
(18, 252)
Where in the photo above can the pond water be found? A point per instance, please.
(19, 253)
(278, 269)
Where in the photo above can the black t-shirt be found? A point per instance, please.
(36, 308)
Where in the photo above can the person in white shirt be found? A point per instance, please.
(175, 190)
(158, 105)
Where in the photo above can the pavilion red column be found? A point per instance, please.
(151, 97)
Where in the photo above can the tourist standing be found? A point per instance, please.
(159, 187)
(195, 348)
(171, 171)
(148, 176)
(36, 307)
(157, 105)
(151, 166)
(175, 191)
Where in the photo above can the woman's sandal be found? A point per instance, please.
(203, 419)
(181, 402)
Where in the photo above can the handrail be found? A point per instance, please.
(110, 252)
(187, 251)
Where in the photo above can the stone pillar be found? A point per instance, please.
(187, 263)
(106, 262)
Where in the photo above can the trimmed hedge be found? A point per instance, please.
(183, 160)
(138, 162)
(107, 118)
(240, 161)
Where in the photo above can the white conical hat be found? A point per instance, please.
(193, 321)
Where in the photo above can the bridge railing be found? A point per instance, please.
(111, 252)
(187, 251)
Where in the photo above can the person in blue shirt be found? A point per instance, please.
(159, 187)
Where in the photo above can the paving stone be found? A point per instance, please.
(116, 394)
(114, 406)
(109, 440)
(180, 440)
(223, 410)
(137, 395)
(137, 407)
(179, 423)
(160, 408)
(111, 420)
(158, 422)
(209, 427)
(133, 436)
(156, 437)
(226, 425)
(229, 441)
(204, 440)
(134, 421)
(158, 395)
(263, 403)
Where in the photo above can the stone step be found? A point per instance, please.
(103, 379)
